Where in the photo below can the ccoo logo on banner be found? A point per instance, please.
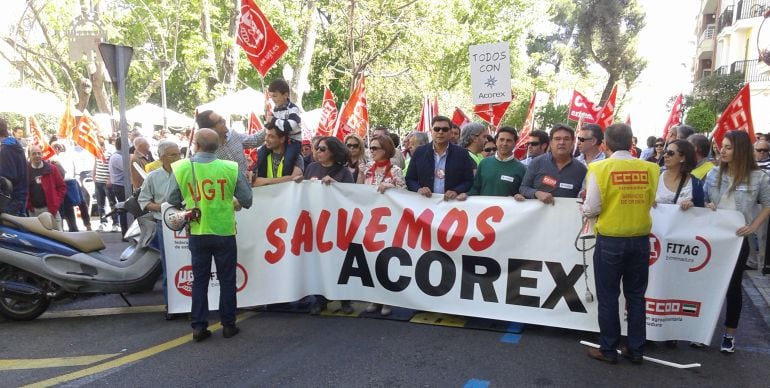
(486, 257)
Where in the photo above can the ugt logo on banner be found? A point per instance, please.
(262, 44)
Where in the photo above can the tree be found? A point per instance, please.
(701, 117)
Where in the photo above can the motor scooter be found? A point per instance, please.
(39, 264)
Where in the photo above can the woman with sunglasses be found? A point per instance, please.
(380, 172)
(489, 147)
(331, 157)
(676, 185)
(657, 154)
(737, 184)
(357, 159)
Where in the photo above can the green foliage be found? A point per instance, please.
(701, 117)
(715, 91)
(550, 114)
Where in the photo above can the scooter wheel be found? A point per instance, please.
(18, 309)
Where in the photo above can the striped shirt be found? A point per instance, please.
(102, 170)
(287, 119)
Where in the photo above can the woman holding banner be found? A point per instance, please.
(357, 159)
(676, 185)
(331, 157)
(384, 175)
(737, 184)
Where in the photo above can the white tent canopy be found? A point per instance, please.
(26, 101)
(242, 102)
(152, 114)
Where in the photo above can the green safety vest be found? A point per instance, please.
(270, 173)
(216, 186)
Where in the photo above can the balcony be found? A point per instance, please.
(706, 42)
(726, 18)
(749, 70)
(748, 9)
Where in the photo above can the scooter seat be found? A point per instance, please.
(82, 241)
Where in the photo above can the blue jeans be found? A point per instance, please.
(224, 252)
(625, 258)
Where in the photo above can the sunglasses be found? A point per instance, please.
(374, 148)
(441, 129)
(671, 153)
(762, 150)
(490, 149)
(658, 145)
(582, 139)
(320, 148)
(533, 143)
(352, 145)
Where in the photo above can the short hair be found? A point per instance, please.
(490, 138)
(381, 128)
(118, 143)
(279, 85)
(278, 131)
(203, 119)
(139, 140)
(163, 146)
(442, 119)
(470, 130)
(684, 131)
(339, 151)
(701, 143)
(651, 141)
(207, 143)
(421, 137)
(510, 130)
(596, 132)
(618, 137)
(395, 139)
(386, 143)
(541, 136)
(3, 128)
(563, 127)
(453, 126)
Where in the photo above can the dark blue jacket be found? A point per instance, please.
(13, 165)
(458, 173)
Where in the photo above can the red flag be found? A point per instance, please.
(426, 116)
(521, 146)
(262, 44)
(459, 117)
(607, 114)
(736, 117)
(675, 117)
(434, 107)
(254, 124)
(39, 140)
(492, 113)
(84, 135)
(354, 117)
(582, 108)
(328, 115)
(67, 121)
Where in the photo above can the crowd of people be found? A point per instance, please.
(475, 160)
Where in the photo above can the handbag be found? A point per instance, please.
(73, 191)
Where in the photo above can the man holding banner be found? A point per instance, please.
(620, 191)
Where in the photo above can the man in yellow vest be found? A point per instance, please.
(210, 186)
(621, 190)
(272, 167)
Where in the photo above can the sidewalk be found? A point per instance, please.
(757, 287)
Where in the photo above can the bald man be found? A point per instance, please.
(762, 154)
(212, 235)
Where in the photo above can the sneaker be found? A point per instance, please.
(115, 229)
(386, 310)
(728, 345)
(372, 307)
(102, 228)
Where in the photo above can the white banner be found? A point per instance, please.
(487, 257)
(490, 73)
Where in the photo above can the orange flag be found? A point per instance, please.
(354, 118)
(328, 115)
(521, 146)
(736, 117)
(84, 135)
(39, 140)
(67, 121)
(254, 124)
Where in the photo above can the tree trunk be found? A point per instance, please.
(84, 89)
(230, 62)
(209, 59)
(352, 44)
(103, 103)
(302, 72)
(608, 88)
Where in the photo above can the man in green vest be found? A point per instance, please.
(209, 184)
(620, 191)
(272, 168)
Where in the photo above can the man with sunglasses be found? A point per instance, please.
(440, 167)
(590, 139)
(762, 154)
(556, 173)
(537, 144)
